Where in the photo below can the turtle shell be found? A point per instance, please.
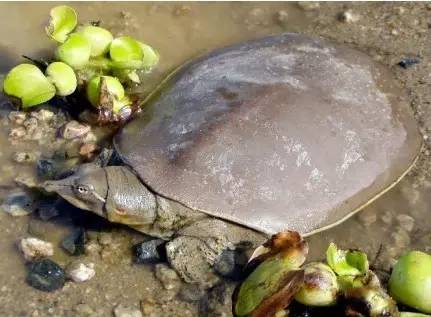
(284, 132)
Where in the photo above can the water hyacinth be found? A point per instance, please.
(75, 51)
(410, 281)
(63, 20)
(94, 89)
(63, 77)
(29, 84)
(99, 38)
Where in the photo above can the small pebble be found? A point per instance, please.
(24, 157)
(105, 238)
(147, 307)
(191, 292)
(367, 217)
(17, 133)
(18, 204)
(31, 125)
(17, 117)
(42, 115)
(182, 10)
(387, 217)
(282, 17)
(408, 62)
(35, 248)
(406, 222)
(80, 272)
(45, 275)
(152, 251)
(349, 17)
(87, 150)
(83, 310)
(309, 5)
(74, 243)
(46, 169)
(126, 311)
(167, 276)
(73, 129)
(93, 248)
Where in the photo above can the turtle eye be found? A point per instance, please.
(82, 189)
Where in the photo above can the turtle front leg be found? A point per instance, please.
(196, 249)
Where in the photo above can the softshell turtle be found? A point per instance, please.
(284, 132)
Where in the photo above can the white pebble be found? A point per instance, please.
(80, 272)
(349, 17)
(35, 248)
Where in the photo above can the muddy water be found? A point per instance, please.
(394, 223)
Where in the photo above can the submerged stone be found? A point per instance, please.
(45, 275)
(19, 203)
(152, 251)
(74, 243)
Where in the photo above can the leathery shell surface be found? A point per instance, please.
(284, 132)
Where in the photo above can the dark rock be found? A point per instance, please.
(45, 275)
(46, 169)
(74, 243)
(19, 203)
(191, 293)
(48, 208)
(218, 301)
(407, 62)
(231, 263)
(152, 251)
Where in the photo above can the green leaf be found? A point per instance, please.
(151, 57)
(100, 39)
(63, 20)
(75, 51)
(408, 314)
(347, 262)
(63, 77)
(127, 75)
(124, 49)
(28, 83)
(113, 86)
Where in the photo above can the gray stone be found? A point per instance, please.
(167, 276)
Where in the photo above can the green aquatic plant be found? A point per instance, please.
(99, 38)
(75, 51)
(29, 84)
(410, 281)
(63, 20)
(88, 56)
(107, 92)
(63, 77)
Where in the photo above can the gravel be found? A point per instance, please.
(33, 248)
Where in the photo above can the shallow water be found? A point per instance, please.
(180, 31)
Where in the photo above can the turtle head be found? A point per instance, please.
(113, 192)
(86, 188)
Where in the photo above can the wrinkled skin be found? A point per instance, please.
(117, 194)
